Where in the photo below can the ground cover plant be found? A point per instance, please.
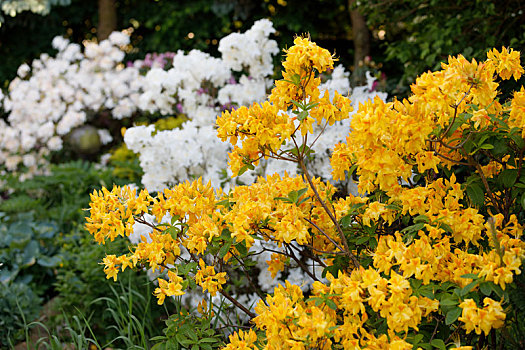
(426, 256)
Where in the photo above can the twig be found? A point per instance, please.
(334, 220)
(322, 232)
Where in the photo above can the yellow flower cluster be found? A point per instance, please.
(506, 63)
(299, 80)
(111, 213)
(425, 232)
(388, 139)
(291, 322)
(262, 208)
(261, 128)
(242, 341)
(264, 128)
(485, 319)
(503, 261)
(168, 289)
(517, 111)
(208, 279)
(439, 201)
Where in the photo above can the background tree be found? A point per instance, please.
(418, 35)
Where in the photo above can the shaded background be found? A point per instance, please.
(403, 37)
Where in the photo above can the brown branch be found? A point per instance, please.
(332, 217)
(236, 303)
(323, 233)
(300, 263)
(249, 278)
(476, 165)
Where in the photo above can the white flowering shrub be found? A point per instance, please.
(41, 7)
(200, 86)
(57, 94)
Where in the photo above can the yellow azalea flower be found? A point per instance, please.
(517, 111)
(481, 319)
(506, 63)
(242, 340)
(208, 279)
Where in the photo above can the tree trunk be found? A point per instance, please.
(361, 37)
(107, 18)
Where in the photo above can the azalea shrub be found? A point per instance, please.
(426, 256)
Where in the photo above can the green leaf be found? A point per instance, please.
(49, 261)
(470, 275)
(438, 343)
(414, 228)
(225, 249)
(453, 315)
(487, 146)
(174, 219)
(508, 177)
(523, 201)
(448, 302)
(469, 287)
(302, 200)
(181, 339)
(418, 338)
(362, 240)
(293, 196)
(346, 221)
(421, 218)
(302, 115)
(190, 333)
(208, 340)
(331, 304)
(486, 288)
(295, 79)
(476, 194)
(301, 192)
(224, 203)
(426, 291)
(241, 248)
(286, 200)
(242, 170)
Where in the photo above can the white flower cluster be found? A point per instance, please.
(42, 7)
(57, 94)
(200, 86)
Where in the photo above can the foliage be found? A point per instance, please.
(121, 315)
(18, 304)
(13, 7)
(184, 331)
(28, 253)
(36, 213)
(59, 196)
(29, 258)
(419, 35)
(26, 36)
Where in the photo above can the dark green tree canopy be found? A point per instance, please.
(418, 35)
